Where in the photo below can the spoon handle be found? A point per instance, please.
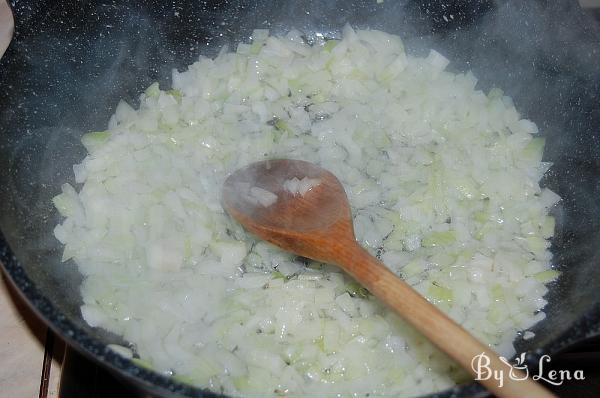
(442, 331)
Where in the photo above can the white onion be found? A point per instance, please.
(443, 183)
(300, 187)
(262, 196)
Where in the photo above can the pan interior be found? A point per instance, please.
(70, 63)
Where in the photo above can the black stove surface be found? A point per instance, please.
(81, 377)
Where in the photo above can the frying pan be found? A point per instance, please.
(71, 61)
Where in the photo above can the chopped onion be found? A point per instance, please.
(262, 196)
(443, 184)
(300, 187)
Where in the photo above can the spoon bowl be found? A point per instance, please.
(296, 222)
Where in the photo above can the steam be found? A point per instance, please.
(543, 54)
(70, 67)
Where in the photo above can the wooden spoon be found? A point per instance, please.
(318, 225)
